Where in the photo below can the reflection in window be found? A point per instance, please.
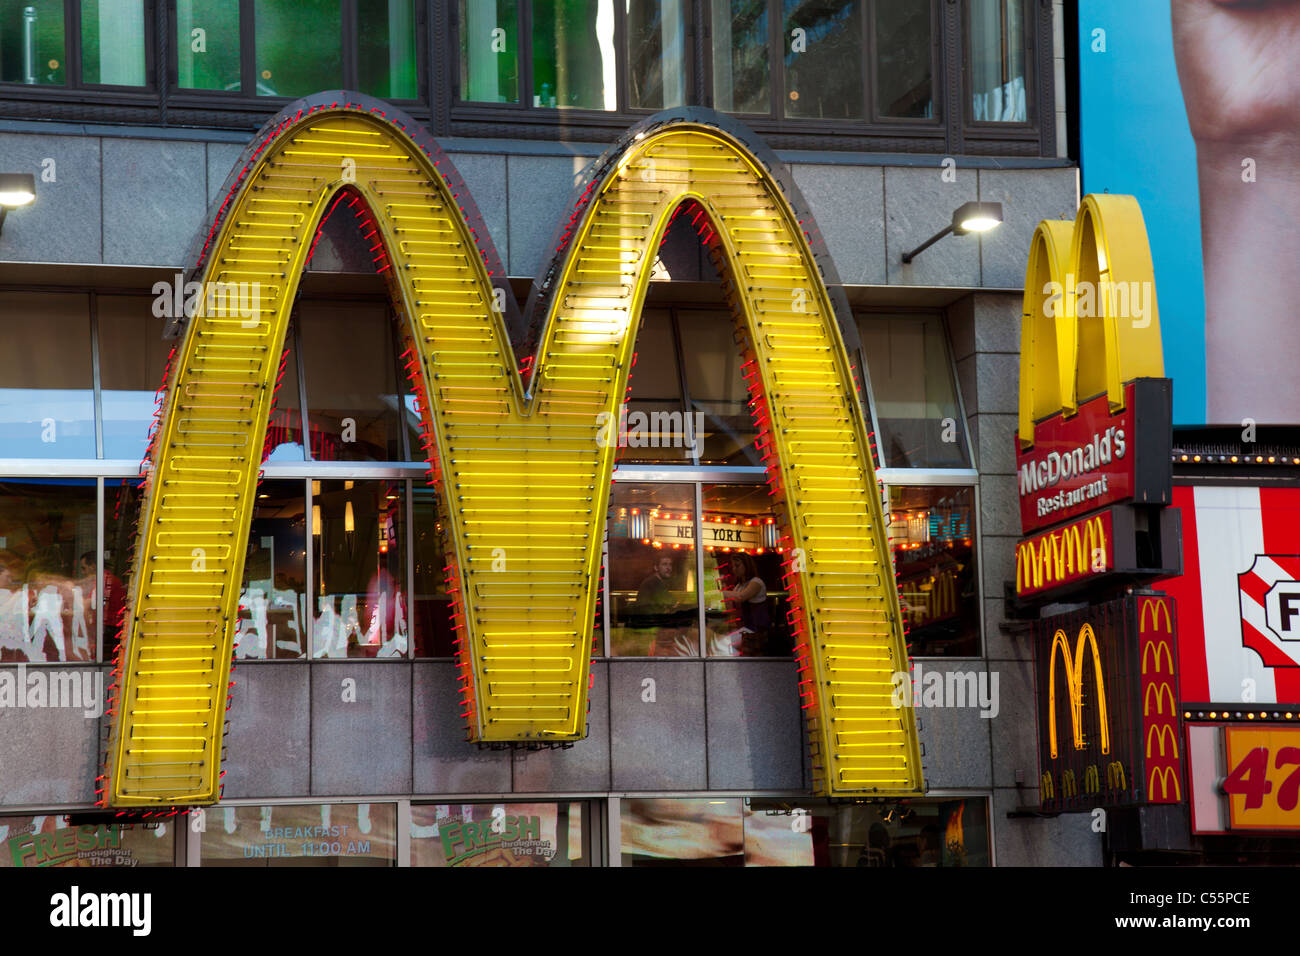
(489, 51)
(912, 385)
(359, 545)
(653, 428)
(672, 832)
(716, 388)
(31, 42)
(386, 48)
(931, 535)
(338, 834)
(997, 60)
(803, 832)
(430, 604)
(207, 45)
(299, 46)
(823, 59)
(352, 392)
(112, 42)
(499, 834)
(745, 602)
(652, 592)
(903, 79)
(573, 54)
(273, 604)
(47, 570)
(656, 47)
(132, 358)
(47, 407)
(46, 840)
(740, 56)
(123, 498)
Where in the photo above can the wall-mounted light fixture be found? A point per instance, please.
(969, 217)
(16, 189)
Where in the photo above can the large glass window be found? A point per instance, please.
(489, 51)
(500, 834)
(903, 44)
(352, 393)
(113, 42)
(359, 542)
(804, 832)
(47, 840)
(132, 358)
(47, 406)
(47, 570)
(716, 387)
(997, 61)
(741, 75)
(386, 64)
(207, 45)
(921, 425)
(123, 499)
(653, 428)
(931, 535)
(330, 834)
(573, 54)
(430, 603)
(654, 608)
(656, 53)
(299, 46)
(745, 601)
(32, 42)
(273, 604)
(823, 59)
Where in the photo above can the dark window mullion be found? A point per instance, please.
(72, 43)
(776, 71)
(350, 41)
(247, 50)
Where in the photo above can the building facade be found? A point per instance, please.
(345, 741)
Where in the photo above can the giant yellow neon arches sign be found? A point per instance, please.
(1079, 332)
(522, 472)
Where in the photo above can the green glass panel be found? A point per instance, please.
(386, 49)
(207, 45)
(299, 46)
(32, 42)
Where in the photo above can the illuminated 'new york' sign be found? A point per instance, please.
(517, 456)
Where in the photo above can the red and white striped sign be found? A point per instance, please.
(1239, 595)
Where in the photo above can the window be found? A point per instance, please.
(931, 536)
(431, 624)
(47, 406)
(338, 834)
(996, 61)
(824, 71)
(113, 36)
(501, 834)
(45, 840)
(745, 831)
(132, 357)
(717, 391)
(912, 384)
(359, 542)
(653, 428)
(353, 397)
(298, 47)
(273, 604)
(654, 608)
(745, 600)
(47, 570)
(571, 55)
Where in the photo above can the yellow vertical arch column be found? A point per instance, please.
(524, 475)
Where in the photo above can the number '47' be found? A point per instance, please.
(1250, 778)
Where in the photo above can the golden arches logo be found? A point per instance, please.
(1059, 556)
(1080, 335)
(1159, 693)
(1157, 650)
(1166, 776)
(1115, 775)
(1162, 736)
(1158, 608)
(517, 458)
(1074, 688)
